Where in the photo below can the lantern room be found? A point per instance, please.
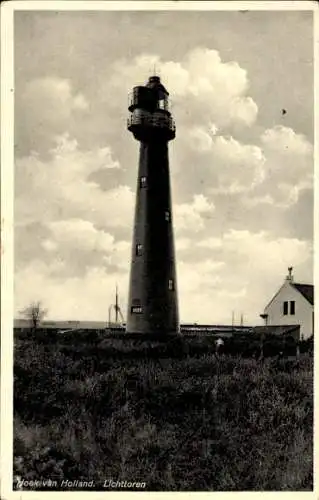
(152, 97)
(150, 116)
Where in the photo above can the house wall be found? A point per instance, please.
(303, 310)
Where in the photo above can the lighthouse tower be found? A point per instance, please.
(152, 303)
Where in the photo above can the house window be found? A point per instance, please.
(139, 249)
(167, 216)
(143, 182)
(285, 308)
(292, 307)
(136, 309)
(170, 284)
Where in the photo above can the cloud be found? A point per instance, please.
(239, 167)
(215, 165)
(46, 107)
(288, 166)
(80, 250)
(262, 251)
(60, 187)
(78, 297)
(275, 172)
(204, 87)
(285, 141)
(74, 271)
(217, 88)
(194, 277)
(52, 99)
(79, 233)
(191, 216)
(64, 216)
(232, 294)
(256, 255)
(210, 243)
(75, 199)
(238, 271)
(182, 244)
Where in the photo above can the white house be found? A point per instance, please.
(293, 304)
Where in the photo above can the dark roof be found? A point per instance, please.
(305, 290)
(154, 82)
(276, 329)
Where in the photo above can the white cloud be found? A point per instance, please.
(287, 170)
(191, 216)
(288, 166)
(200, 139)
(232, 294)
(259, 250)
(119, 256)
(204, 87)
(213, 129)
(210, 243)
(240, 166)
(285, 141)
(263, 252)
(275, 172)
(182, 244)
(218, 88)
(237, 271)
(60, 188)
(79, 298)
(50, 101)
(253, 201)
(196, 276)
(289, 194)
(49, 245)
(240, 272)
(81, 234)
(224, 164)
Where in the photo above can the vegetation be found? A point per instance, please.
(173, 415)
(34, 313)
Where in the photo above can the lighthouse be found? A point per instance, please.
(152, 299)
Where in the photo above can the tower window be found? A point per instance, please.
(170, 284)
(139, 249)
(167, 216)
(285, 310)
(292, 307)
(143, 182)
(136, 309)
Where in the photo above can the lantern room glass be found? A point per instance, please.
(163, 103)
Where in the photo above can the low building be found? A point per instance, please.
(24, 324)
(293, 304)
(283, 331)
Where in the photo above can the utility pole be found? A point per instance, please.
(241, 319)
(116, 305)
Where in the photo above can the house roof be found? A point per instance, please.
(305, 290)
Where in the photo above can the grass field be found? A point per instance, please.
(177, 418)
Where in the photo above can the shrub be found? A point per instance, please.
(174, 415)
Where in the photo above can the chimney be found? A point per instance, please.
(289, 276)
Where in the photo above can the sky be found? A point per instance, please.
(241, 167)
